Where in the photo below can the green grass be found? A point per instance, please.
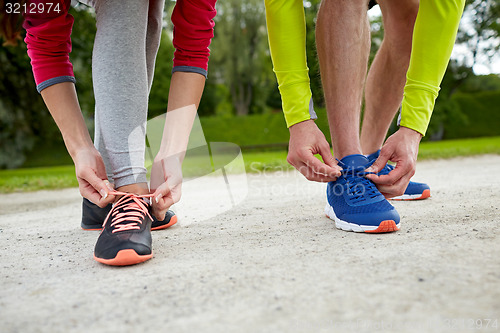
(24, 180)
(33, 179)
(461, 147)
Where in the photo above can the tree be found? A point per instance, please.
(311, 9)
(480, 31)
(240, 56)
(23, 116)
(24, 119)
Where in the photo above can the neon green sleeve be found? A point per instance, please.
(433, 39)
(286, 28)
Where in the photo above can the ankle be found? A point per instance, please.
(137, 188)
(341, 153)
(370, 149)
(372, 141)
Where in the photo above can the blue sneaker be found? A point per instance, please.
(414, 191)
(355, 204)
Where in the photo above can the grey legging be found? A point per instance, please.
(127, 40)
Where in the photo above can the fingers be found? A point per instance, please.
(166, 182)
(311, 174)
(168, 190)
(380, 162)
(306, 140)
(402, 169)
(321, 168)
(164, 198)
(88, 192)
(161, 207)
(94, 188)
(312, 168)
(159, 214)
(395, 183)
(107, 198)
(328, 159)
(397, 188)
(160, 193)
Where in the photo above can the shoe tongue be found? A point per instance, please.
(374, 155)
(355, 161)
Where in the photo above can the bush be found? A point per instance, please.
(481, 115)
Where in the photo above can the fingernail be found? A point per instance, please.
(104, 194)
(158, 197)
(109, 185)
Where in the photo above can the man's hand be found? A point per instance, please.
(166, 184)
(306, 140)
(402, 149)
(92, 178)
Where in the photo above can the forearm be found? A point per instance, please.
(62, 102)
(287, 42)
(184, 98)
(433, 39)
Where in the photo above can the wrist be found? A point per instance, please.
(175, 138)
(300, 125)
(76, 145)
(411, 133)
(167, 157)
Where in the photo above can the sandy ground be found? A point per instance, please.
(272, 263)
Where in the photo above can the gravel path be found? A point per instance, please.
(273, 263)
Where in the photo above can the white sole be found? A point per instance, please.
(421, 196)
(347, 226)
(407, 197)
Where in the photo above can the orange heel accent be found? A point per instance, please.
(125, 258)
(425, 194)
(385, 226)
(173, 221)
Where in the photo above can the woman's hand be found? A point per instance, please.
(92, 178)
(166, 184)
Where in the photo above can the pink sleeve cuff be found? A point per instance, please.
(193, 32)
(48, 38)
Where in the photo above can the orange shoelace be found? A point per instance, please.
(134, 210)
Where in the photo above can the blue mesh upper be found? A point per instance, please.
(352, 193)
(341, 206)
